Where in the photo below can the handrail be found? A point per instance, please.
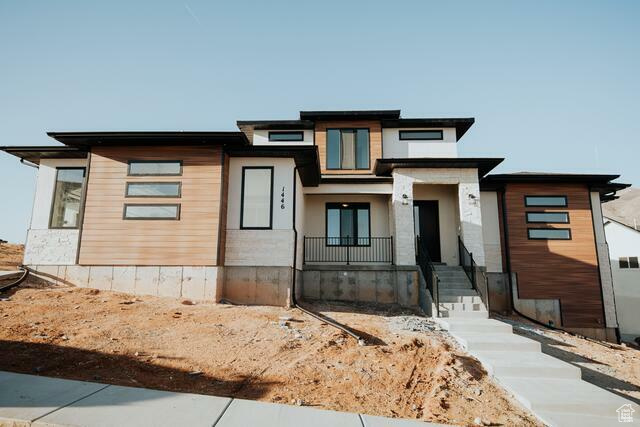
(429, 273)
(470, 268)
(348, 250)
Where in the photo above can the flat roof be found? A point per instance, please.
(92, 139)
(350, 115)
(461, 124)
(384, 167)
(34, 154)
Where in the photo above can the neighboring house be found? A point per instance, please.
(337, 205)
(622, 228)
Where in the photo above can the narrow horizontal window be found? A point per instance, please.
(286, 136)
(633, 262)
(548, 217)
(155, 167)
(153, 189)
(550, 201)
(549, 233)
(411, 135)
(256, 198)
(152, 211)
(67, 195)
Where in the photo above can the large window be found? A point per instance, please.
(548, 217)
(348, 224)
(155, 167)
(153, 189)
(286, 136)
(549, 233)
(347, 148)
(151, 211)
(257, 197)
(550, 201)
(420, 135)
(67, 197)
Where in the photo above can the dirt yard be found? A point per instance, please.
(10, 256)
(613, 367)
(406, 370)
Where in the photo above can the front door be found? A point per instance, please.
(427, 226)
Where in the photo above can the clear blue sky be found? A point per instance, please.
(554, 86)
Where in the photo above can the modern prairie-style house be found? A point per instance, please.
(361, 206)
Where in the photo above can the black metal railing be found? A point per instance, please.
(475, 274)
(429, 273)
(348, 250)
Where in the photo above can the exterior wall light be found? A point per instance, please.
(405, 200)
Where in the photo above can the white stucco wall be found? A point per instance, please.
(624, 241)
(261, 137)
(491, 231)
(300, 222)
(393, 147)
(447, 198)
(373, 188)
(45, 246)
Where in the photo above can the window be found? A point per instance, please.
(413, 135)
(139, 211)
(551, 201)
(548, 217)
(256, 200)
(153, 189)
(348, 224)
(286, 136)
(549, 233)
(628, 262)
(347, 148)
(67, 197)
(155, 167)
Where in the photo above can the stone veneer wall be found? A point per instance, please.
(195, 283)
(51, 247)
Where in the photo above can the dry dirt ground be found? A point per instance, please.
(406, 370)
(613, 367)
(10, 256)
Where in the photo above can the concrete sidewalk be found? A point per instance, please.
(41, 401)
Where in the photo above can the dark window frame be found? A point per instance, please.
(526, 203)
(634, 263)
(568, 221)
(242, 227)
(53, 197)
(355, 144)
(152, 218)
(623, 262)
(296, 132)
(403, 135)
(153, 161)
(127, 195)
(354, 207)
(548, 238)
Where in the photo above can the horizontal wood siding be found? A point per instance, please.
(557, 269)
(375, 143)
(108, 239)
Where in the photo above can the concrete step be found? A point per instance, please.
(527, 365)
(563, 395)
(474, 325)
(457, 292)
(464, 314)
(567, 419)
(474, 341)
(474, 299)
(455, 285)
(461, 306)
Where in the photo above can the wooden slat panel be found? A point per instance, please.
(375, 143)
(107, 239)
(557, 269)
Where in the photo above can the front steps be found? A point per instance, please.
(550, 388)
(457, 298)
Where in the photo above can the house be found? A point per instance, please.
(622, 229)
(361, 206)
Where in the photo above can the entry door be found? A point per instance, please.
(427, 226)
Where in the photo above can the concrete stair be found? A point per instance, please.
(458, 299)
(550, 388)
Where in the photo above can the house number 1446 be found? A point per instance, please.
(282, 199)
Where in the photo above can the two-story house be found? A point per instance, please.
(359, 206)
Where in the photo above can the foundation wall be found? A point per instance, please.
(258, 285)
(370, 284)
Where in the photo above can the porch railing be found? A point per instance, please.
(429, 273)
(348, 250)
(480, 283)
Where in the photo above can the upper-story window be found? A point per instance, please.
(546, 201)
(348, 149)
(291, 136)
(155, 167)
(67, 196)
(419, 135)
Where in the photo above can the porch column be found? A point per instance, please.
(402, 220)
(470, 216)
